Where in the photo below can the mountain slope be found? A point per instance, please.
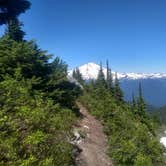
(130, 133)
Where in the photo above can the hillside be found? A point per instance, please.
(51, 118)
(131, 136)
(37, 102)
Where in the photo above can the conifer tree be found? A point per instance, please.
(109, 78)
(37, 101)
(140, 102)
(78, 76)
(14, 30)
(9, 12)
(74, 74)
(101, 82)
(133, 103)
(117, 90)
(11, 9)
(133, 100)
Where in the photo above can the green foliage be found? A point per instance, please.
(101, 82)
(78, 76)
(58, 87)
(14, 30)
(142, 160)
(26, 56)
(34, 130)
(37, 105)
(109, 79)
(131, 137)
(118, 94)
(133, 104)
(140, 103)
(37, 102)
(11, 9)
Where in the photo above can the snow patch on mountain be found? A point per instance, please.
(90, 71)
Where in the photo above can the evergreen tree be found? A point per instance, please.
(11, 9)
(32, 61)
(78, 76)
(37, 101)
(9, 12)
(133, 103)
(133, 100)
(109, 78)
(140, 102)
(74, 74)
(117, 90)
(57, 86)
(14, 30)
(101, 82)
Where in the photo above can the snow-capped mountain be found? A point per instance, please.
(153, 84)
(90, 71)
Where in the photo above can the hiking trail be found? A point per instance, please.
(91, 140)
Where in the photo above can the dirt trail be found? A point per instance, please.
(94, 144)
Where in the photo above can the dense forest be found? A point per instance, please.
(38, 110)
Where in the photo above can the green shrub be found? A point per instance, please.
(131, 138)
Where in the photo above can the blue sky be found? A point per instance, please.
(130, 33)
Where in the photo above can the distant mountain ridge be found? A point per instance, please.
(153, 84)
(90, 71)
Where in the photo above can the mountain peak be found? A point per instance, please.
(89, 70)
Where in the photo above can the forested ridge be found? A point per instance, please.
(131, 132)
(38, 110)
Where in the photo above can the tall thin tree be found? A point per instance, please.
(140, 102)
(78, 76)
(133, 103)
(101, 82)
(109, 79)
(117, 90)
